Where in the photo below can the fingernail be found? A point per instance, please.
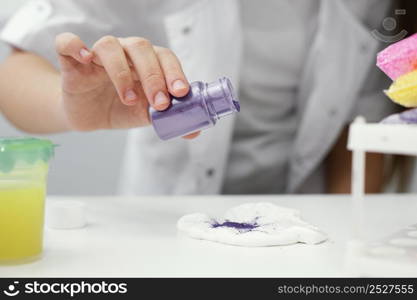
(179, 85)
(84, 53)
(130, 95)
(160, 99)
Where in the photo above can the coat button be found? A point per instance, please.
(186, 30)
(333, 112)
(299, 159)
(363, 48)
(210, 172)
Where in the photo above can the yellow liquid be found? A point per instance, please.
(21, 220)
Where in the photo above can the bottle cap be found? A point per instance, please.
(222, 98)
(65, 214)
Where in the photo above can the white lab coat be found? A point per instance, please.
(206, 36)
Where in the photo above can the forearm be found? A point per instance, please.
(338, 169)
(30, 94)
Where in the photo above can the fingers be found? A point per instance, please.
(70, 45)
(126, 61)
(174, 76)
(191, 135)
(146, 64)
(112, 57)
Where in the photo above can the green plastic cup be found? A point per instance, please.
(24, 166)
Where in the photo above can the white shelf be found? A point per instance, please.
(384, 138)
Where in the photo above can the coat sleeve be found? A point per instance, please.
(35, 25)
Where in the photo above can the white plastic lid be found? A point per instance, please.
(65, 214)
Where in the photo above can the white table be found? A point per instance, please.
(137, 237)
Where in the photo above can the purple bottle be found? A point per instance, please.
(199, 109)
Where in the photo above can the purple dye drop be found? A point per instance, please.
(236, 225)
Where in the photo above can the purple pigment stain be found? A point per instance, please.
(241, 227)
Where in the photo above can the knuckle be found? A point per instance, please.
(153, 80)
(138, 42)
(106, 42)
(64, 42)
(164, 51)
(174, 72)
(123, 75)
(63, 36)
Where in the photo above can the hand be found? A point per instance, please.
(113, 84)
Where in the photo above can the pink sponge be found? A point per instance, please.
(399, 58)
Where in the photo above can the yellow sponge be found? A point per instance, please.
(404, 90)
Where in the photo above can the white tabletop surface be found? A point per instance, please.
(137, 237)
